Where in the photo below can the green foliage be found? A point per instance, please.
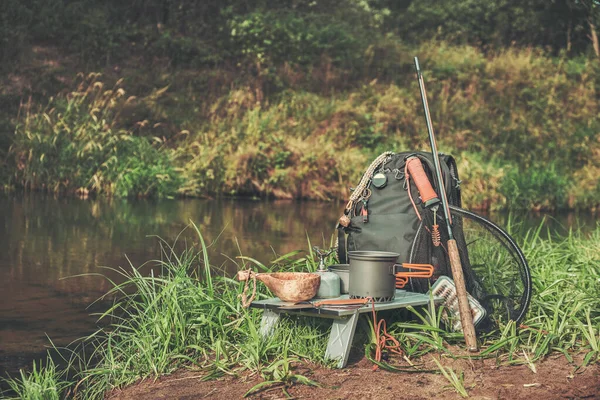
(535, 188)
(14, 19)
(190, 314)
(300, 32)
(557, 25)
(271, 99)
(92, 33)
(76, 144)
(564, 276)
(498, 114)
(481, 179)
(185, 50)
(491, 111)
(44, 382)
(277, 37)
(146, 171)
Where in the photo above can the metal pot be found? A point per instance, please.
(373, 274)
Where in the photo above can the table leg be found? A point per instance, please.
(268, 322)
(340, 339)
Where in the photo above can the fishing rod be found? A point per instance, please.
(455, 263)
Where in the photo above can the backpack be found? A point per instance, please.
(385, 213)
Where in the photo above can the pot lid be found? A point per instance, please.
(372, 255)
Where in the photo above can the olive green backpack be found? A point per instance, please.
(382, 211)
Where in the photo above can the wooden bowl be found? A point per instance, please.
(291, 287)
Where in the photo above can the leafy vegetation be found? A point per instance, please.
(44, 381)
(490, 112)
(297, 30)
(293, 99)
(191, 316)
(75, 143)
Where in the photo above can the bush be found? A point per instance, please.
(536, 188)
(276, 37)
(74, 144)
(14, 21)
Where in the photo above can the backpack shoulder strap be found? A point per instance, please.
(455, 194)
(342, 245)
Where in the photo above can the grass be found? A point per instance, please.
(81, 143)
(456, 380)
(190, 316)
(521, 123)
(44, 381)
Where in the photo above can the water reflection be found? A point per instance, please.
(44, 240)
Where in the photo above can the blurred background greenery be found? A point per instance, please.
(294, 98)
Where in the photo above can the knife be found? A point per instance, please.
(327, 304)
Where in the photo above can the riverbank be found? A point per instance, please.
(521, 123)
(553, 378)
(191, 317)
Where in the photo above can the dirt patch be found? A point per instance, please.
(554, 378)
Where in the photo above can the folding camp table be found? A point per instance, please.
(344, 320)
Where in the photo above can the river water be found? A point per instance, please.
(54, 251)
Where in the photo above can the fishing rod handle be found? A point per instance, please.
(418, 175)
(466, 318)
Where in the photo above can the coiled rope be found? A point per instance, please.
(244, 295)
(383, 340)
(366, 178)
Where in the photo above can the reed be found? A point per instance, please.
(456, 380)
(182, 317)
(78, 143)
(44, 381)
(521, 123)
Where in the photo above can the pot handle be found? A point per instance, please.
(416, 270)
(393, 269)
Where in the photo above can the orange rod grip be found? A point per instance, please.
(418, 175)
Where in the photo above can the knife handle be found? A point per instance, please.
(344, 302)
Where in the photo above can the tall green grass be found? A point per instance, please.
(45, 381)
(563, 316)
(189, 315)
(79, 143)
(521, 123)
